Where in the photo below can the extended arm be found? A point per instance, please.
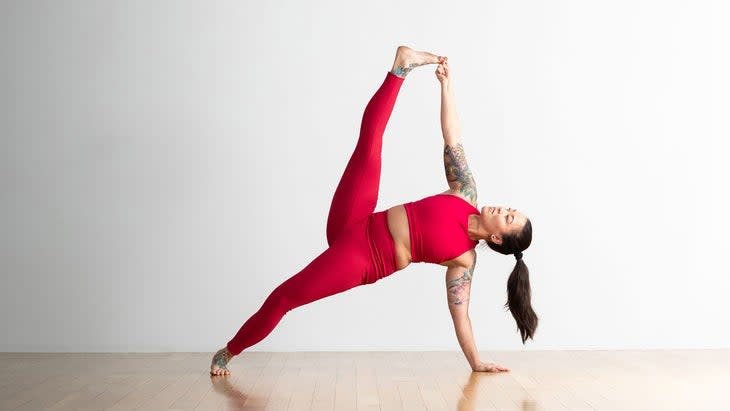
(458, 288)
(458, 174)
(450, 126)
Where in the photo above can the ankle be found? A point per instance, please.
(400, 64)
(400, 71)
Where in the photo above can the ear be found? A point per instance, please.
(496, 239)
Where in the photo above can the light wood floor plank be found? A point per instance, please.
(328, 381)
(323, 398)
(346, 383)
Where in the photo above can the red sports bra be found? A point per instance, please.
(438, 226)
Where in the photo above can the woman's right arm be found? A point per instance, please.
(458, 288)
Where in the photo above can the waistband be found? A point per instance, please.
(382, 247)
(414, 233)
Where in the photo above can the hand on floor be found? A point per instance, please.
(489, 367)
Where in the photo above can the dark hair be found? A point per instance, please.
(518, 284)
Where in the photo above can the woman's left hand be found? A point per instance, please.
(489, 367)
(442, 72)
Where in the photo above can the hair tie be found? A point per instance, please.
(518, 255)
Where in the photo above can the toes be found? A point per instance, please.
(220, 371)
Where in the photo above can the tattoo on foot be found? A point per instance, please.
(221, 359)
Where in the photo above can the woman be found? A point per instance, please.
(365, 246)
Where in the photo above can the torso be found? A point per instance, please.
(398, 227)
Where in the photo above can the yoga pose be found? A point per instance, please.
(365, 246)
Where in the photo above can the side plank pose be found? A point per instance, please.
(366, 246)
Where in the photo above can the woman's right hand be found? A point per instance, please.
(488, 367)
(442, 71)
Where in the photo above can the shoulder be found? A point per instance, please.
(457, 193)
(467, 260)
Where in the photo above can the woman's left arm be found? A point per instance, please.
(458, 174)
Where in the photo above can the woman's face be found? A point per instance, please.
(498, 221)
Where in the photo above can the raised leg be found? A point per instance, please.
(357, 192)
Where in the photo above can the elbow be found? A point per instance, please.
(452, 138)
(461, 319)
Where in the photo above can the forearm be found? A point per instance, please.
(450, 127)
(466, 341)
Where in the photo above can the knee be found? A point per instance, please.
(330, 234)
(280, 300)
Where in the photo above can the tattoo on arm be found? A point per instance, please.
(458, 173)
(459, 288)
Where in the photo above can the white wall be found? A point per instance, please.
(166, 164)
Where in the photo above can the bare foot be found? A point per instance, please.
(406, 59)
(220, 359)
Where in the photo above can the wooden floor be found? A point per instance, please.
(538, 380)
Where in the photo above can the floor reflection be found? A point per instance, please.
(475, 394)
(235, 398)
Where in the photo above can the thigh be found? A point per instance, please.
(342, 266)
(357, 192)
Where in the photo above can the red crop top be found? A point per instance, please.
(438, 228)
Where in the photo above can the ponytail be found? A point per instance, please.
(518, 300)
(518, 283)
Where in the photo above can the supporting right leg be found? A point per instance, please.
(344, 265)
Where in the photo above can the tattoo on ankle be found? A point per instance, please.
(401, 71)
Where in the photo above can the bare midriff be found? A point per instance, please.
(398, 227)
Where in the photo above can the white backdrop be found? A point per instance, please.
(166, 164)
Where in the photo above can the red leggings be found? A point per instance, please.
(361, 250)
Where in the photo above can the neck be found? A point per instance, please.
(474, 228)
